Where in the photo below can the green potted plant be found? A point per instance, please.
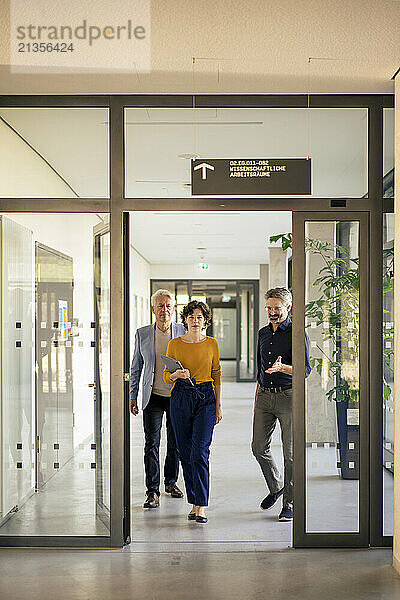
(336, 310)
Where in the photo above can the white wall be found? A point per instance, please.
(72, 234)
(139, 293)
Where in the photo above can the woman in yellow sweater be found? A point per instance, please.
(195, 409)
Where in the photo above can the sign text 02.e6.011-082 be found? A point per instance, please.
(251, 176)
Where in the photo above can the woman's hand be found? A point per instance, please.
(218, 415)
(180, 374)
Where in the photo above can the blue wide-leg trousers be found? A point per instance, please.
(192, 412)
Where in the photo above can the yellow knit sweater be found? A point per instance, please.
(201, 359)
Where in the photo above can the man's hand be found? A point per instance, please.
(134, 406)
(218, 415)
(277, 367)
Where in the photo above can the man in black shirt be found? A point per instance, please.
(273, 399)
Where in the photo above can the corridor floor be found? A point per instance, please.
(40, 574)
(237, 487)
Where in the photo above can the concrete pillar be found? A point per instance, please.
(278, 268)
(264, 284)
(396, 508)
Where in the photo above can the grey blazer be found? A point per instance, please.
(143, 361)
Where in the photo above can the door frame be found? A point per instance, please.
(302, 539)
(102, 510)
(116, 203)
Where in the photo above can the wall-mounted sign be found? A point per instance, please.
(251, 176)
(63, 319)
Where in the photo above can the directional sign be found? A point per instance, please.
(204, 166)
(251, 176)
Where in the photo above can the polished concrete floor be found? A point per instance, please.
(237, 487)
(122, 575)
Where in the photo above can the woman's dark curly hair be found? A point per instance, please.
(191, 307)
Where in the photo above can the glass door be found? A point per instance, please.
(246, 329)
(330, 412)
(101, 383)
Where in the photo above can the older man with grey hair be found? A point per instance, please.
(273, 400)
(147, 368)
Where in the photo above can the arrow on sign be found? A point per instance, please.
(204, 167)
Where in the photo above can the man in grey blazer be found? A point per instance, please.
(147, 368)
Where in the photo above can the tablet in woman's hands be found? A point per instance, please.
(171, 363)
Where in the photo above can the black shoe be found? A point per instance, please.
(152, 500)
(192, 516)
(172, 488)
(270, 500)
(286, 514)
(200, 519)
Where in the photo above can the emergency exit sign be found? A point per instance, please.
(251, 176)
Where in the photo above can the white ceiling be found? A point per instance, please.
(236, 46)
(216, 238)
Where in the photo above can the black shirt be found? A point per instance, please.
(273, 344)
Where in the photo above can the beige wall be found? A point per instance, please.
(236, 47)
(396, 523)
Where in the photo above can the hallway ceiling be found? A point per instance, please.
(252, 47)
(232, 237)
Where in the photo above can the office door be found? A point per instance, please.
(330, 410)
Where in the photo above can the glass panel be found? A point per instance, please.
(388, 152)
(54, 397)
(388, 374)
(54, 153)
(332, 389)
(50, 457)
(160, 143)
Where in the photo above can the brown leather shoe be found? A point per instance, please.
(152, 501)
(173, 489)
